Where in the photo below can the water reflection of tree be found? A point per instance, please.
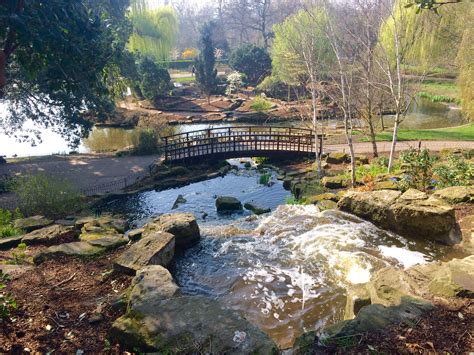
(109, 139)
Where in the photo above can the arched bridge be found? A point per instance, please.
(239, 141)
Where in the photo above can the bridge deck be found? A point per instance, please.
(241, 141)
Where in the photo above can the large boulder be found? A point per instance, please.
(50, 235)
(29, 224)
(372, 206)
(187, 325)
(228, 204)
(182, 225)
(467, 230)
(456, 194)
(149, 287)
(428, 219)
(154, 249)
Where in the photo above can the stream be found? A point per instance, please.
(287, 271)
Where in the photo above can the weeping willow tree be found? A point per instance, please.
(429, 40)
(154, 32)
(465, 60)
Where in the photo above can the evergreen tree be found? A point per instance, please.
(206, 73)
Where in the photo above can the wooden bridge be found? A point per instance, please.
(240, 141)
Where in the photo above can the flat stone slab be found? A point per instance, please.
(80, 249)
(48, 235)
(153, 249)
(456, 194)
(10, 242)
(15, 270)
(109, 242)
(190, 324)
(29, 224)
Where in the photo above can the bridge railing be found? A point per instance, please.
(228, 140)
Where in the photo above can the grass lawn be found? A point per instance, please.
(460, 133)
(439, 91)
(184, 80)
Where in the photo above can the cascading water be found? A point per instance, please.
(287, 271)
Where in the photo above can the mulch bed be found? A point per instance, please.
(55, 304)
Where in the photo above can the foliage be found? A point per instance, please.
(206, 73)
(234, 83)
(147, 142)
(48, 196)
(7, 183)
(56, 61)
(18, 255)
(7, 303)
(455, 172)
(253, 61)
(436, 98)
(418, 169)
(292, 200)
(301, 39)
(154, 81)
(189, 53)
(264, 179)
(154, 31)
(6, 223)
(260, 104)
(466, 64)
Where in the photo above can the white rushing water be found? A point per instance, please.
(288, 272)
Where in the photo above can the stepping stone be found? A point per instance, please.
(154, 249)
(109, 242)
(49, 235)
(30, 224)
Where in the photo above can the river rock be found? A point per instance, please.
(182, 225)
(179, 201)
(190, 324)
(228, 204)
(109, 242)
(467, 230)
(135, 234)
(456, 194)
(429, 219)
(49, 235)
(149, 287)
(326, 205)
(79, 249)
(321, 197)
(413, 194)
(154, 249)
(256, 209)
(30, 224)
(338, 158)
(334, 182)
(376, 316)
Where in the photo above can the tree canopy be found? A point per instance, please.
(206, 73)
(253, 61)
(54, 59)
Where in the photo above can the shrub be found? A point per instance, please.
(154, 81)
(418, 168)
(253, 61)
(455, 172)
(48, 196)
(18, 255)
(234, 83)
(7, 184)
(146, 142)
(265, 179)
(260, 104)
(6, 223)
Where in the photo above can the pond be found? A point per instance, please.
(422, 114)
(287, 271)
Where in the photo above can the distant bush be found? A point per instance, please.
(260, 104)
(154, 81)
(455, 172)
(7, 184)
(253, 61)
(48, 196)
(418, 169)
(146, 142)
(234, 83)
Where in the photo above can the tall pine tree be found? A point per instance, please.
(206, 73)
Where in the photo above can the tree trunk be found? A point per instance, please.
(394, 141)
(372, 136)
(315, 128)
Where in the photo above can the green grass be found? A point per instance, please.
(187, 79)
(260, 104)
(439, 91)
(460, 133)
